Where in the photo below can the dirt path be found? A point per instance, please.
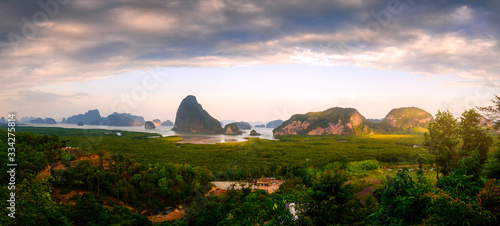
(156, 219)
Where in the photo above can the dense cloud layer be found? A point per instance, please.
(66, 41)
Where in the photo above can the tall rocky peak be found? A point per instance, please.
(407, 117)
(191, 117)
(338, 121)
(90, 117)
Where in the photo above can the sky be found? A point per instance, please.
(246, 60)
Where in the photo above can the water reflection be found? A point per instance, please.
(266, 133)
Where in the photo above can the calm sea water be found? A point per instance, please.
(167, 131)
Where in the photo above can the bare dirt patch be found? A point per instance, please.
(156, 219)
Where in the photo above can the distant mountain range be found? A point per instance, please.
(93, 117)
(43, 121)
(191, 117)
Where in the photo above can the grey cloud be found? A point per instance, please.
(89, 39)
(39, 96)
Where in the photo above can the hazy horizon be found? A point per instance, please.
(246, 61)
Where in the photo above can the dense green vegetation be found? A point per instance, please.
(145, 187)
(257, 157)
(347, 182)
(450, 139)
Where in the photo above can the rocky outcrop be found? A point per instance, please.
(232, 129)
(254, 133)
(90, 117)
(149, 125)
(38, 120)
(225, 122)
(243, 125)
(156, 122)
(63, 120)
(191, 117)
(79, 124)
(27, 119)
(122, 119)
(260, 126)
(50, 121)
(337, 121)
(403, 118)
(274, 124)
(3, 120)
(486, 123)
(167, 123)
(43, 121)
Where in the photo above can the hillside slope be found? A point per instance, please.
(337, 121)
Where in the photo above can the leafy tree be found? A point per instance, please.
(34, 205)
(401, 201)
(102, 154)
(443, 209)
(87, 211)
(489, 197)
(442, 140)
(492, 113)
(492, 166)
(332, 201)
(163, 185)
(465, 182)
(474, 137)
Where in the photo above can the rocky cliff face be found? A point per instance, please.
(38, 120)
(26, 119)
(90, 117)
(156, 122)
(232, 129)
(243, 125)
(403, 118)
(192, 118)
(274, 124)
(43, 121)
(122, 119)
(167, 123)
(149, 125)
(254, 133)
(338, 121)
(50, 121)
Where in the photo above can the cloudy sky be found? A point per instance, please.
(246, 60)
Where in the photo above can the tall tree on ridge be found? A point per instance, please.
(442, 139)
